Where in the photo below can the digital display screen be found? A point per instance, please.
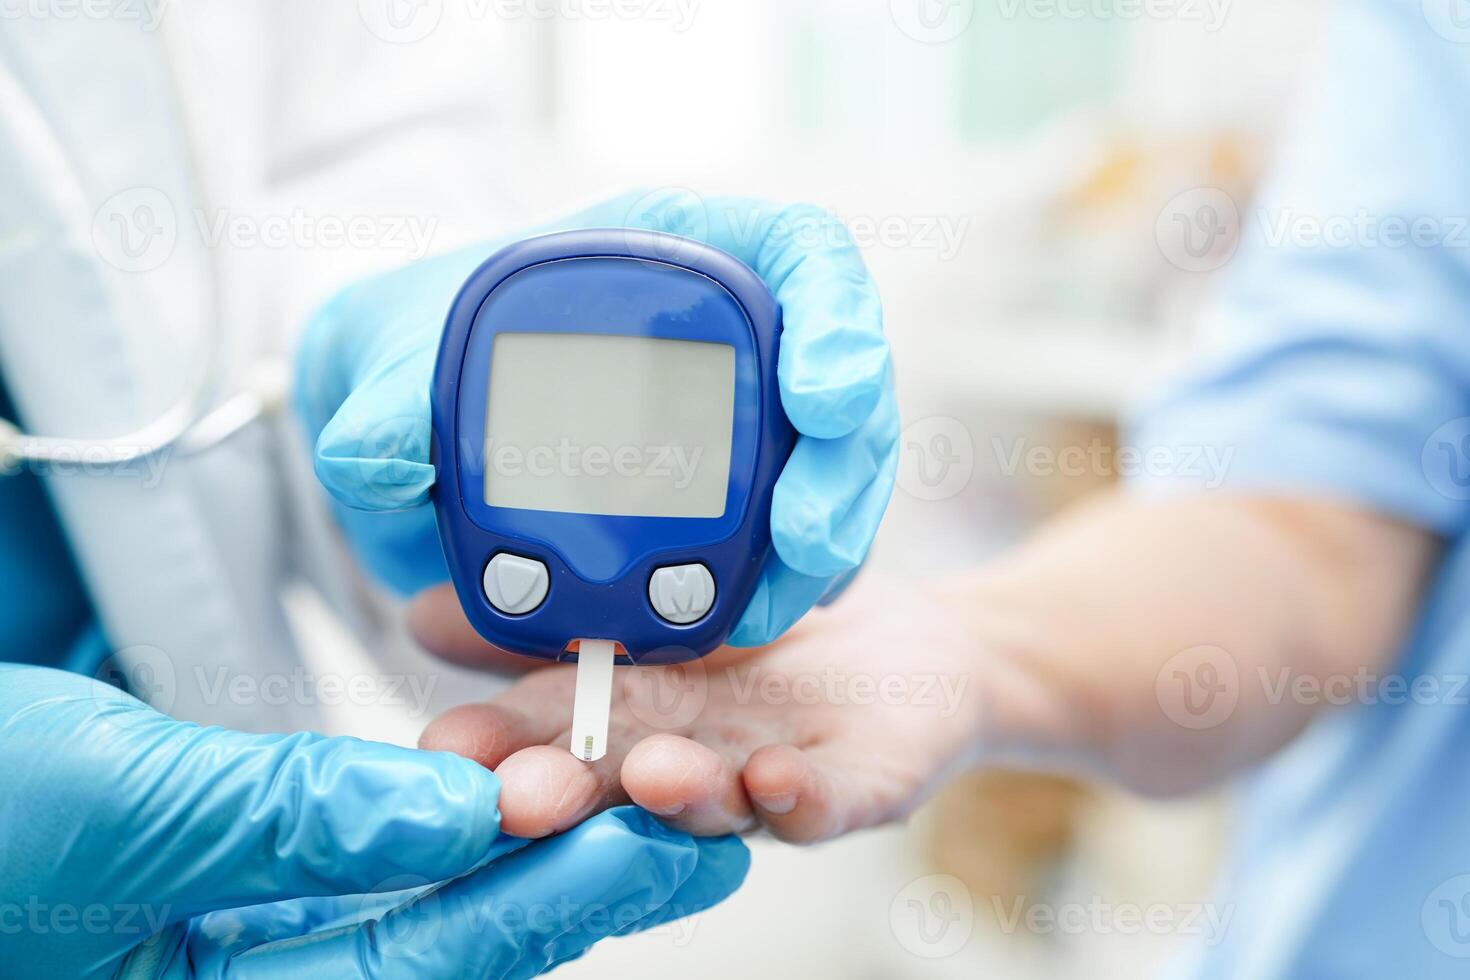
(608, 424)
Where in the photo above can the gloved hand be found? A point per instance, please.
(366, 365)
(135, 846)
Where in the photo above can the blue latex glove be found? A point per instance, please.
(135, 846)
(367, 362)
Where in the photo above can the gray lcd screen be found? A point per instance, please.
(609, 424)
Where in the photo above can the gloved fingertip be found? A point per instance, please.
(828, 412)
(377, 465)
(781, 597)
(829, 390)
(804, 533)
(374, 484)
(390, 813)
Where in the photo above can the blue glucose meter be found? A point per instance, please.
(607, 433)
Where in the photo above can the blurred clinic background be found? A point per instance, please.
(1045, 190)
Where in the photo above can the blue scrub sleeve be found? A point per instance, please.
(1337, 356)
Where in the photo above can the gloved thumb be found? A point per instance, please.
(198, 819)
(362, 383)
(374, 452)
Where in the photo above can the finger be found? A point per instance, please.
(218, 819)
(833, 364)
(374, 452)
(335, 816)
(797, 799)
(363, 377)
(487, 733)
(546, 789)
(690, 785)
(831, 495)
(437, 622)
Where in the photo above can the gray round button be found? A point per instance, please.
(682, 594)
(515, 585)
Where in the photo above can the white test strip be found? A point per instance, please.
(593, 701)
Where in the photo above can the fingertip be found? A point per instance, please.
(824, 409)
(399, 811)
(784, 790)
(782, 597)
(804, 532)
(363, 477)
(686, 783)
(775, 774)
(373, 454)
(482, 733)
(834, 364)
(544, 789)
(831, 496)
